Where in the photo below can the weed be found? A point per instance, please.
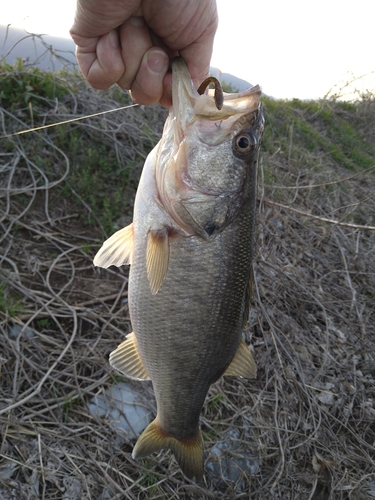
(43, 323)
(217, 400)
(86, 248)
(20, 86)
(149, 478)
(9, 305)
(228, 87)
(68, 405)
(330, 128)
(312, 316)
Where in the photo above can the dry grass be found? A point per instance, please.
(309, 417)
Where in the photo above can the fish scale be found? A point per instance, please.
(198, 318)
(190, 247)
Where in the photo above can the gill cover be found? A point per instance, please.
(196, 132)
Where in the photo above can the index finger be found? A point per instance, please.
(100, 59)
(197, 55)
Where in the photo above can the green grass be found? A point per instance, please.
(102, 180)
(97, 179)
(43, 323)
(10, 305)
(68, 405)
(330, 128)
(217, 401)
(21, 86)
(86, 248)
(149, 478)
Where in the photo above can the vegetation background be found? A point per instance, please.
(308, 418)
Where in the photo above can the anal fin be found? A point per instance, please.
(157, 258)
(243, 364)
(117, 250)
(126, 359)
(188, 451)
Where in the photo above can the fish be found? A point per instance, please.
(190, 248)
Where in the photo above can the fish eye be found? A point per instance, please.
(244, 143)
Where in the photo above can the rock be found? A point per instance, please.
(7, 469)
(125, 409)
(73, 488)
(16, 330)
(326, 398)
(230, 459)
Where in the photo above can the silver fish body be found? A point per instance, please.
(191, 248)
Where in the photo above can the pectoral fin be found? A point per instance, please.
(243, 364)
(157, 258)
(117, 250)
(126, 359)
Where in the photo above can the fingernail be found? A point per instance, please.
(113, 39)
(157, 61)
(131, 96)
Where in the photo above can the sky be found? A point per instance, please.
(291, 48)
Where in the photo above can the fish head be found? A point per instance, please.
(206, 169)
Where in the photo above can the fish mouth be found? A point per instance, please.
(215, 104)
(212, 109)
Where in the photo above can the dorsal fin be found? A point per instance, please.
(157, 258)
(117, 250)
(243, 364)
(127, 360)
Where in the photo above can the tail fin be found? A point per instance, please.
(188, 452)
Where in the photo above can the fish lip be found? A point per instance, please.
(188, 104)
(184, 93)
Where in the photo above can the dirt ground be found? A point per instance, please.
(308, 418)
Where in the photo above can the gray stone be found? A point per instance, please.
(125, 409)
(16, 330)
(230, 460)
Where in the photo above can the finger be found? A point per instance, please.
(147, 87)
(197, 54)
(197, 57)
(166, 99)
(135, 42)
(199, 71)
(187, 27)
(100, 59)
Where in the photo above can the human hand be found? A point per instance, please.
(131, 43)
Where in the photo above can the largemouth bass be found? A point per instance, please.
(190, 247)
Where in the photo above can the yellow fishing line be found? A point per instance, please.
(66, 121)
